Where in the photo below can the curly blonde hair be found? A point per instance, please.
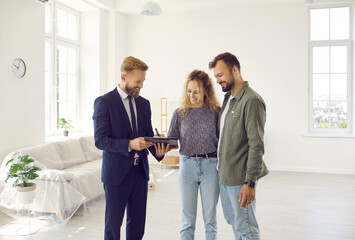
(209, 97)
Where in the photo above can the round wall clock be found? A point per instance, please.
(18, 68)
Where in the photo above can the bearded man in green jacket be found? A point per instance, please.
(241, 124)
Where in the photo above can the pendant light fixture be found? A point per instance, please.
(151, 9)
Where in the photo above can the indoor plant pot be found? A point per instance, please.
(25, 195)
(65, 124)
(23, 170)
(65, 133)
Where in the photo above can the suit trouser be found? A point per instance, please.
(130, 194)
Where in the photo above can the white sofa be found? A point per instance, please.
(71, 178)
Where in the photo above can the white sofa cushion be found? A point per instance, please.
(45, 154)
(56, 175)
(89, 148)
(70, 152)
(87, 178)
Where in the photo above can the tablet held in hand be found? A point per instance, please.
(172, 141)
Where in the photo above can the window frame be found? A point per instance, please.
(55, 40)
(319, 43)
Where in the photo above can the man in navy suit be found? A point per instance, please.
(121, 119)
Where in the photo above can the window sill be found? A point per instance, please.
(327, 135)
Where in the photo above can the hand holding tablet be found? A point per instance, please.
(172, 141)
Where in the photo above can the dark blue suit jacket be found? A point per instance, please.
(113, 132)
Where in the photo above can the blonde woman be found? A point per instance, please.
(194, 123)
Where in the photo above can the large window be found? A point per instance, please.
(330, 70)
(61, 65)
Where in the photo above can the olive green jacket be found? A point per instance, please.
(241, 145)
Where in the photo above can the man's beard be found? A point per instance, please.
(229, 86)
(131, 91)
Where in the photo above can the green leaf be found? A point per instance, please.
(32, 169)
(15, 184)
(29, 161)
(24, 158)
(9, 161)
(32, 176)
(14, 175)
(64, 123)
(8, 176)
(37, 168)
(15, 168)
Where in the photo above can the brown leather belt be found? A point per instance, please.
(206, 155)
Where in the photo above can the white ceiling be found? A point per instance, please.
(134, 6)
(78, 5)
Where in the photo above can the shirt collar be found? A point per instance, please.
(122, 93)
(239, 94)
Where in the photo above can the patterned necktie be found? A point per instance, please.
(133, 117)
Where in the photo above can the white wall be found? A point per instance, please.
(102, 51)
(22, 35)
(271, 42)
(116, 49)
(120, 30)
(90, 67)
(21, 100)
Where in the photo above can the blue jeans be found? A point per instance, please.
(243, 221)
(195, 173)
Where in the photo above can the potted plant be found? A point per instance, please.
(23, 170)
(65, 125)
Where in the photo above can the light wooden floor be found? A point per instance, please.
(290, 206)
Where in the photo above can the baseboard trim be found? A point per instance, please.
(289, 169)
(313, 170)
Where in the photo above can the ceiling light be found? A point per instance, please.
(151, 9)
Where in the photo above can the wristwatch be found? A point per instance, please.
(250, 184)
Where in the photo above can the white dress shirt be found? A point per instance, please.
(125, 101)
